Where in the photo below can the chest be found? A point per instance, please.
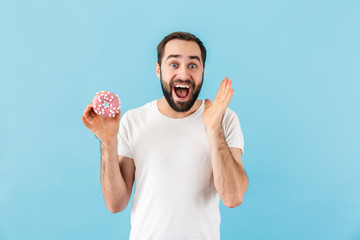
(171, 147)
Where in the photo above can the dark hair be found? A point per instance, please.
(182, 36)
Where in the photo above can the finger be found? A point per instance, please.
(221, 88)
(229, 96)
(92, 113)
(87, 113)
(218, 92)
(85, 122)
(207, 103)
(92, 108)
(117, 116)
(227, 90)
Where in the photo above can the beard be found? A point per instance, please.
(180, 106)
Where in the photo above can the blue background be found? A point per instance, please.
(295, 71)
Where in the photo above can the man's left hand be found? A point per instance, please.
(214, 112)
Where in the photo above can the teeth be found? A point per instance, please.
(181, 86)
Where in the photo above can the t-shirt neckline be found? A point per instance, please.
(196, 113)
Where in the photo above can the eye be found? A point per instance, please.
(192, 66)
(173, 65)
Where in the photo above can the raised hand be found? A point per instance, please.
(214, 112)
(105, 129)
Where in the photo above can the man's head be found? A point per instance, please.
(180, 67)
(181, 36)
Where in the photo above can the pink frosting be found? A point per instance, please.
(106, 104)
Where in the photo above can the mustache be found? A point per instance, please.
(184, 82)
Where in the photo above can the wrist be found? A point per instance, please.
(214, 127)
(214, 130)
(109, 150)
(109, 143)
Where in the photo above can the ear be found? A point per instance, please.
(157, 70)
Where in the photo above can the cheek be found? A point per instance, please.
(168, 77)
(198, 79)
(166, 81)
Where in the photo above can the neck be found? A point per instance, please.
(166, 110)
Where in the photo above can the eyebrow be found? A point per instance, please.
(177, 56)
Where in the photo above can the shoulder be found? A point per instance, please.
(230, 118)
(230, 115)
(229, 112)
(139, 111)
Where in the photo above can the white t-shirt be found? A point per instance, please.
(175, 197)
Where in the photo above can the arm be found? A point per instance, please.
(230, 178)
(117, 177)
(117, 172)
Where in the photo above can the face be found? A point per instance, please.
(181, 74)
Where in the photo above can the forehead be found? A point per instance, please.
(182, 47)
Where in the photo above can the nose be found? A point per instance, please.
(183, 73)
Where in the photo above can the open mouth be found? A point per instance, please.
(182, 91)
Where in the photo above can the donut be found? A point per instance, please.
(106, 104)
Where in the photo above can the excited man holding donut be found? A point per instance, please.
(183, 153)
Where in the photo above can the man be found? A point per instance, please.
(183, 153)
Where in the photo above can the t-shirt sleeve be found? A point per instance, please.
(124, 148)
(232, 130)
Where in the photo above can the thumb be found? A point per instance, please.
(117, 116)
(207, 103)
